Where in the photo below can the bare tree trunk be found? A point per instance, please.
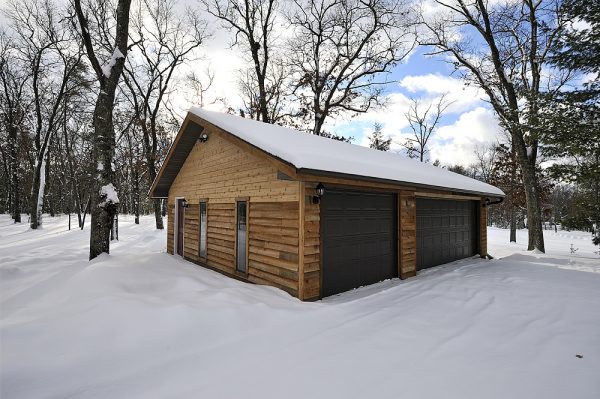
(85, 212)
(534, 212)
(14, 166)
(37, 193)
(318, 127)
(74, 185)
(103, 211)
(155, 202)
(513, 224)
(103, 197)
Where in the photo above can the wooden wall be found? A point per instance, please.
(220, 237)
(273, 238)
(407, 246)
(222, 172)
(190, 232)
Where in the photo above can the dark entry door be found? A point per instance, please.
(180, 220)
(446, 231)
(358, 230)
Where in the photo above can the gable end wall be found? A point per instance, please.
(221, 172)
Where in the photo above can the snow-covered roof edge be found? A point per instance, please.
(309, 154)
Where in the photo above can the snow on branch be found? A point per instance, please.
(107, 67)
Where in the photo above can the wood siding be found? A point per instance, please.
(312, 245)
(273, 244)
(190, 232)
(407, 253)
(482, 230)
(220, 172)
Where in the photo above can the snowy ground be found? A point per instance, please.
(142, 324)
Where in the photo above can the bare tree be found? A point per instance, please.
(253, 23)
(98, 43)
(45, 44)
(341, 52)
(502, 47)
(277, 91)
(485, 160)
(13, 109)
(200, 85)
(423, 123)
(164, 40)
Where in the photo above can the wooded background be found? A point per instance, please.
(90, 91)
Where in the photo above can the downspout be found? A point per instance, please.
(487, 202)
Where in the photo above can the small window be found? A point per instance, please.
(203, 227)
(241, 236)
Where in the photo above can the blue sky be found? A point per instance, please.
(467, 124)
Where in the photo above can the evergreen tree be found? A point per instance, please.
(571, 128)
(377, 140)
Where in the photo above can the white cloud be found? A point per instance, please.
(433, 86)
(456, 143)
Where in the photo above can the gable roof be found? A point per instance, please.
(317, 155)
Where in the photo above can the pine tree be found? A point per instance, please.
(377, 140)
(571, 121)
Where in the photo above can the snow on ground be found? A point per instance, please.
(143, 324)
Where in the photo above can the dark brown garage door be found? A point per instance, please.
(359, 239)
(446, 231)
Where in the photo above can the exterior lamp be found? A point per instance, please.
(320, 191)
(203, 138)
(184, 203)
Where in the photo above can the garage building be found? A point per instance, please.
(311, 215)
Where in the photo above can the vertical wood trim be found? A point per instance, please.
(301, 205)
(408, 232)
(176, 227)
(235, 232)
(247, 236)
(399, 233)
(482, 229)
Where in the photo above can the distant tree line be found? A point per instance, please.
(88, 90)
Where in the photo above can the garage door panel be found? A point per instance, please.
(446, 231)
(359, 239)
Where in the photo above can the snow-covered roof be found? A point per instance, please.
(311, 153)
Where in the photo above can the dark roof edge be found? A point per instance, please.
(180, 134)
(316, 173)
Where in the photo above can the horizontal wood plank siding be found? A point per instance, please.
(190, 232)
(220, 172)
(273, 244)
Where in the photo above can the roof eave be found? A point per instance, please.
(324, 173)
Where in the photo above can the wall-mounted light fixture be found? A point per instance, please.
(320, 191)
(203, 138)
(184, 203)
